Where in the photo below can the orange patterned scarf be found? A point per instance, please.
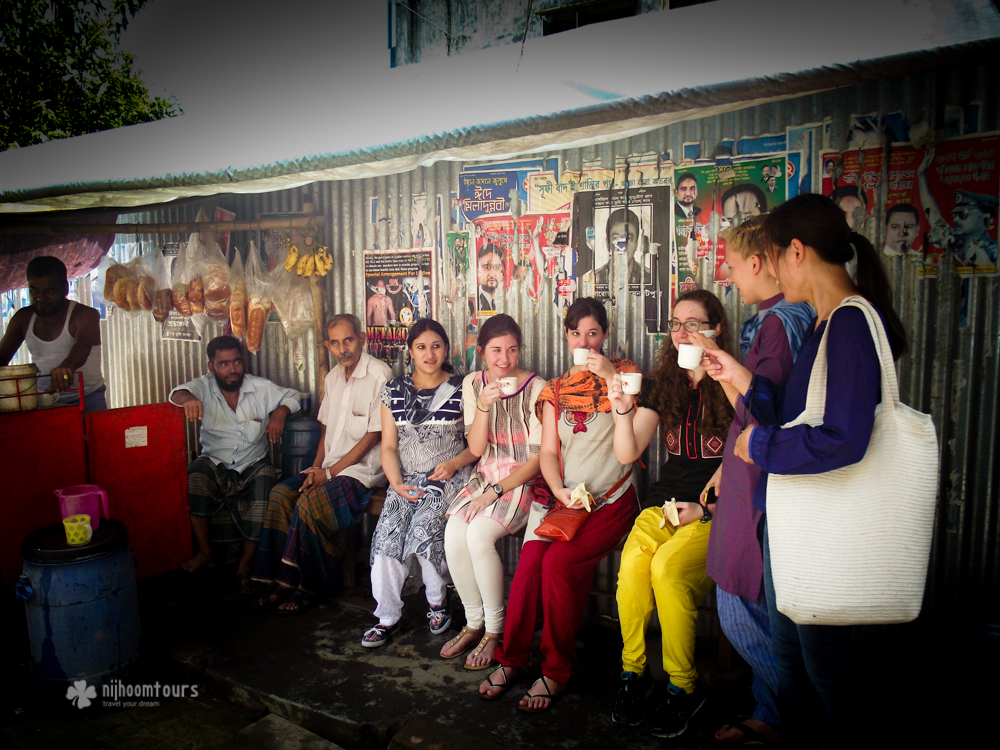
(583, 392)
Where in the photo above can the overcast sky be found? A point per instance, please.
(252, 52)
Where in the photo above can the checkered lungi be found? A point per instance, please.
(234, 502)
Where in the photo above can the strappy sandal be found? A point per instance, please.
(454, 641)
(529, 696)
(493, 685)
(479, 649)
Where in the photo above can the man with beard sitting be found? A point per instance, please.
(228, 484)
(63, 337)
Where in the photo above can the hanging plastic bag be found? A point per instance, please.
(139, 287)
(162, 296)
(215, 275)
(180, 278)
(293, 301)
(258, 298)
(115, 283)
(238, 298)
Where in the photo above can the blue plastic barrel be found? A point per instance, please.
(81, 605)
(299, 442)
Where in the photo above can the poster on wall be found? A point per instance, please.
(958, 186)
(399, 290)
(904, 224)
(616, 237)
(857, 189)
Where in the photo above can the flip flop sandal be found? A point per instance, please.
(249, 587)
(298, 598)
(465, 631)
(750, 735)
(479, 649)
(548, 694)
(265, 601)
(494, 685)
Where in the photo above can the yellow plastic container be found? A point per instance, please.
(78, 531)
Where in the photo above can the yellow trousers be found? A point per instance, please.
(665, 566)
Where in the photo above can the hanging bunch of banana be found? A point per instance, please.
(310, 261)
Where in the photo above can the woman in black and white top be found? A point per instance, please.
(426, 461)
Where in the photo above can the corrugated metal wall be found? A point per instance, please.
(950, 371)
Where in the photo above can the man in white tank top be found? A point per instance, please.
(64, 337)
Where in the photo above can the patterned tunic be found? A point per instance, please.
(406, 528)
(515, 434)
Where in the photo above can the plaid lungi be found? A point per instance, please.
(234, 502)
(302, 540)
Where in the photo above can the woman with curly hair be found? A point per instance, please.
(663, 561)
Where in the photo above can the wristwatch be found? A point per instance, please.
(497, 489)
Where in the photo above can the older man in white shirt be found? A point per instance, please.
(301, 543)
(228, 484)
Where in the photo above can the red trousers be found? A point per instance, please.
(553, 579)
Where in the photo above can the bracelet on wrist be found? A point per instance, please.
(623, 413)
(479, 406)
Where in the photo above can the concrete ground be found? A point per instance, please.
(305, 682)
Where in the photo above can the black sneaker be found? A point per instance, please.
(628, 708)
(672, 716)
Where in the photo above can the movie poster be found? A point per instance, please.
(617, 238)
(399, 290)
(958, 187)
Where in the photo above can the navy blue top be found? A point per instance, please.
(855, 375)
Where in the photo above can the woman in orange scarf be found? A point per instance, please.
(554, 578)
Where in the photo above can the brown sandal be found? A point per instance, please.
(454, 641)
(479, 649)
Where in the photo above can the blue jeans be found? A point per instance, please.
(819, 685)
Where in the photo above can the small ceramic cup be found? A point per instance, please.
(631, 382)
(508, 386)
(580, 356)
(689, 356)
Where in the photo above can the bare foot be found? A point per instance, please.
(461, 643)
(496, 684)
(733, 732)
(199, 561)
(541, 694)
(482, 655)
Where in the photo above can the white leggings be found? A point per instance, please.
(476, 569)
(388, 577)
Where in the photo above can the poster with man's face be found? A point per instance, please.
(398, 292)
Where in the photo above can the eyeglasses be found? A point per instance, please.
(691, 326)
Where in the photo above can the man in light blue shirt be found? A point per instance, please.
(229, 482)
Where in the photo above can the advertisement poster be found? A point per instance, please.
(485, 193)
(859, 185)
(804, 140)
(617, 245)
(958, 188)
(222, 236)
(399, 290)
(904, 224)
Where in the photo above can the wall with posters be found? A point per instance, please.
(950, 313)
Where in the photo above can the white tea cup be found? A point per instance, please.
(580, 356)
(631, 382)
(508, 386)
(689, 356)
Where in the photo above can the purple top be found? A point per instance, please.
(842, 439)
(734, 556)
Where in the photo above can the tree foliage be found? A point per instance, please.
(62, 72)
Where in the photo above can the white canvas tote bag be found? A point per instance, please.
(851, 546)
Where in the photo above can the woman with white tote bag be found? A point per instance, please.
(810, 439)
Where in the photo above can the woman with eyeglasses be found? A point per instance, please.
(663, 562)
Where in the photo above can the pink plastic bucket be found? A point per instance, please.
(83, 499)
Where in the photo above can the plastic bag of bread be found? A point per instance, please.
(139, 286)
(179, 283)
(238, 298)
(115, 284)
(258, 298)
(162, 297)
(215, 276)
